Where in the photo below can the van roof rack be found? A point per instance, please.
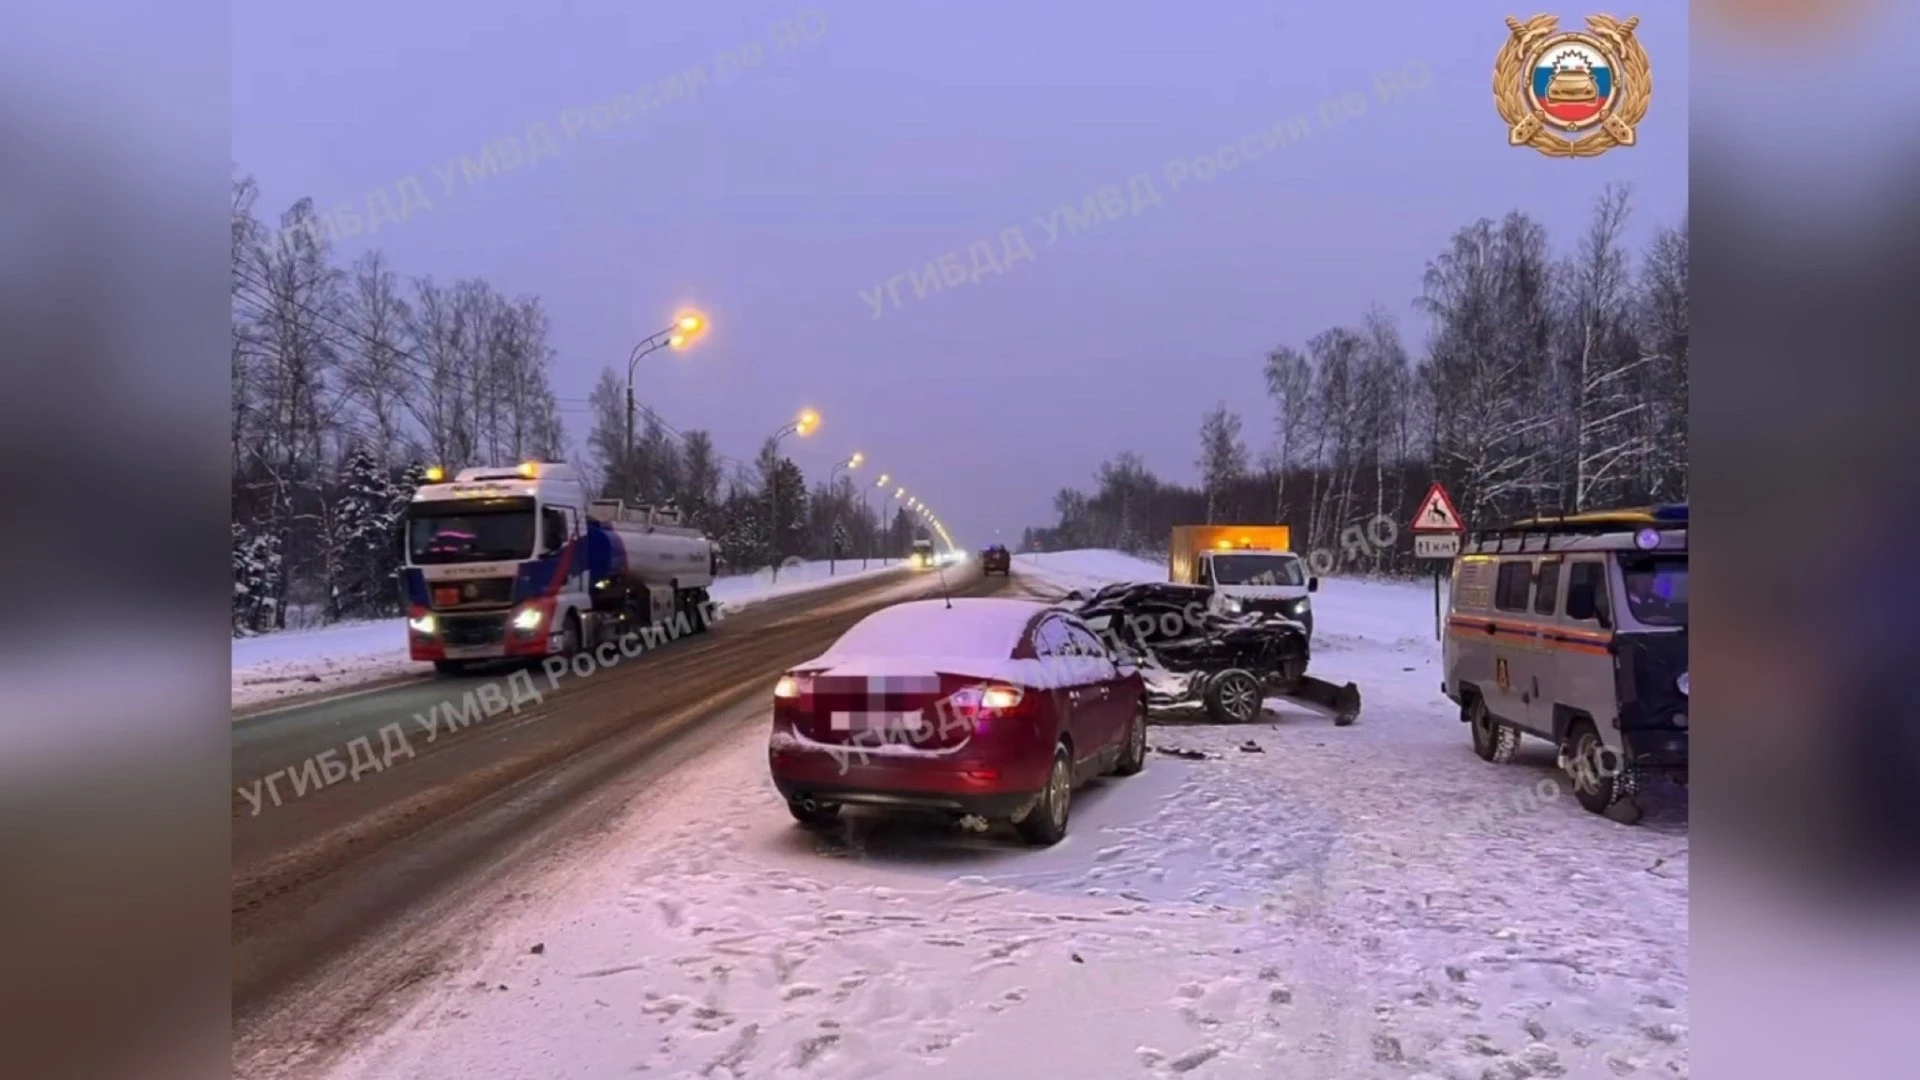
(1562, 531)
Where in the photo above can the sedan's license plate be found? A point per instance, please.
(878, 721)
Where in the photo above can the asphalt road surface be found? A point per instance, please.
(345, 894)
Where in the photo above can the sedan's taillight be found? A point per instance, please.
(984, 701)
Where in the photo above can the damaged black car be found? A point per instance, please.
(1194, 657)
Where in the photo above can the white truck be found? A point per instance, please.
(1249, 568)
(519, 563)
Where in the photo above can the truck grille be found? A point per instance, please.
(477, 592)
(474, 630)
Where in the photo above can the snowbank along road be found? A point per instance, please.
(316, 868)
(1281, 899)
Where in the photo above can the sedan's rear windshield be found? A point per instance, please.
(973, 628)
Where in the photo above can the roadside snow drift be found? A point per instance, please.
(1279, 900)
(270, 666)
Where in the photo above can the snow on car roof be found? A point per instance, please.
(973, 626)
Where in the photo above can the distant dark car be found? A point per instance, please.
(992, 708)
(1192, 654)
(996, 560)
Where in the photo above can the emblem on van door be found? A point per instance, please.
(1501, 675)
(1571, 95)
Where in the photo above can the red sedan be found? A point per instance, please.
(990, 708)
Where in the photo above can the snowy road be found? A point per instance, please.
(1295, 901)
(321, 862)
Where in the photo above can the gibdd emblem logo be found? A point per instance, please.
(1573, 94)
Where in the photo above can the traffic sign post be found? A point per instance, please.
(1436, 535)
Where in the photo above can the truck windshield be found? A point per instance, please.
(1656, 588)
(476, 530)
(1257, 570)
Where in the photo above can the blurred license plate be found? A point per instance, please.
(878, 721)
(473, 652)
(446, 597)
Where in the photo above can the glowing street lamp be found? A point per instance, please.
(687, 326)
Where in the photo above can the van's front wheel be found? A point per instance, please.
(1601, 776)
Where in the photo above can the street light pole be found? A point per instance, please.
(873, 533)
(801, 425)
(833, 529)
(899, 500)
(682, 330)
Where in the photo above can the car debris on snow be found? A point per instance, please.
(1183, 752)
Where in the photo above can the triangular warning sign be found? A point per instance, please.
(1437, 513)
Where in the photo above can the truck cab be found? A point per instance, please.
(1259, 580)
(495, 564)
(520, 563)
(1249, 569)
(923, 554)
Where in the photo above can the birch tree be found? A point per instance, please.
(1289, 386)
(1223, 460)
(1607, 440)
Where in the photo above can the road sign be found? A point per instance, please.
(1436, 546)
(1437, 514)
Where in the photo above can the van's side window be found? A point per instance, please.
(1591, 575)
(1510, 591)
(1546, 595)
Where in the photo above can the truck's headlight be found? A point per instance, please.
(1233, 603)
(422, 624)
(1681, 682)
(527, 619)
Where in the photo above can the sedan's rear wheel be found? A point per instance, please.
(1133, 755)
(1046, 824)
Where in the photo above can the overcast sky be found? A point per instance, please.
(776, 195)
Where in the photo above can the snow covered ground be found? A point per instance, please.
(1283, 899)
(273, 666)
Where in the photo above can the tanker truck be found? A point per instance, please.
(519, 563)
